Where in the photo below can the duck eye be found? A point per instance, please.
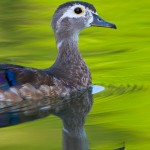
(78, 10)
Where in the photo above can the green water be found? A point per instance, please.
(118, 59)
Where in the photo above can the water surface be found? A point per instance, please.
(119, 60)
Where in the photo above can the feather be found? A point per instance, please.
(13, 75)
(3, 81)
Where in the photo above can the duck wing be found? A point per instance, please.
(25, 94)
(19, 83)
(28, 94)
(13, 75)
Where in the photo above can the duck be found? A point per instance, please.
(69, 72)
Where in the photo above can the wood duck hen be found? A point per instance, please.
(69, 72)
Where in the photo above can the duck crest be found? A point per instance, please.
(90, 6)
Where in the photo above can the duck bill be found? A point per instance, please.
(99, 22)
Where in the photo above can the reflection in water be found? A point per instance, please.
(72, 110)
(73, 115)
(122, 148)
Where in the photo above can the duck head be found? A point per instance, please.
(72, 17)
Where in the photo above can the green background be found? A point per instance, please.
(118, 59)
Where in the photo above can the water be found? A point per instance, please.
(119, 61)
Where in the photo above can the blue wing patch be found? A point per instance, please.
(7, 79)
(3, 81)
(11, 78)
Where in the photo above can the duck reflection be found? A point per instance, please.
(72, 109)
(73, 115)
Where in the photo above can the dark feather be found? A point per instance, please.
(13, 75)
(90, 6)
(3, 80)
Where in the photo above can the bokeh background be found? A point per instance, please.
(118, 59)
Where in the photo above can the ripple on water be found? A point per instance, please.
(112, 90)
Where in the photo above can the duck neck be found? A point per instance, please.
(68, 48)
(69, 66)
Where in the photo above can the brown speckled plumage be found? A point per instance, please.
(69, 72)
